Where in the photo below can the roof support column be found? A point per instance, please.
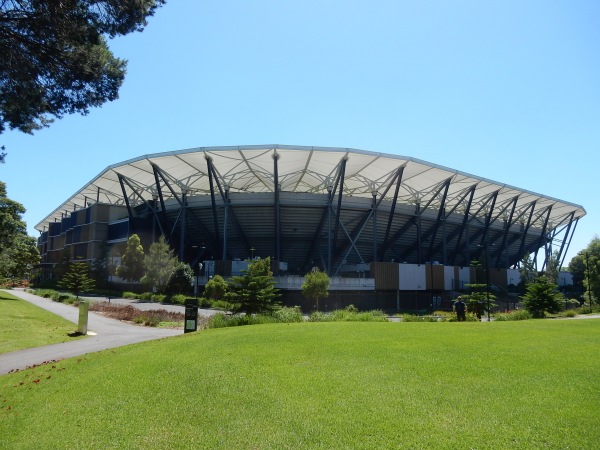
(182, 225)
(276, 206)
(374, 208)
(214, 204)
(225, 233)
(418, 217)
(507, 225)
(339, 203)
(398, 178)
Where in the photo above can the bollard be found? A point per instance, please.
(84, 307)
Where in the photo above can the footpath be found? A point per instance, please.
(103, 333)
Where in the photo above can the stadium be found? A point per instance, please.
(392, 232)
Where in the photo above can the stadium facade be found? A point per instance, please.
(393, 232)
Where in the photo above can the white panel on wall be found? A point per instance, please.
(448, 278)
(513, 276)
(412, 277)
(565, 279)
(464, 276)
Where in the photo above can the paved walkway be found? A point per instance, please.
(103, 333)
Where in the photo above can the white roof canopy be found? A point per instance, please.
(313, 170)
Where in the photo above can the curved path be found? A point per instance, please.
(103, 333)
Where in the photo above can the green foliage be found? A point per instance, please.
(160, 265)
(77, 279)
(158, 298)
(178, 299)
(288, 315)
(477, 299)
(254, 292)
(216, 288)
(145, 296)
(18, 260)
(132, 261)
(56, 59)
(518, 314)
(348, 314)
(542, 297)
(18, 252)
(182, 280)
(132, 295)
(315, 285)
(11, 223)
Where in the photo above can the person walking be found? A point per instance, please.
(460, 308)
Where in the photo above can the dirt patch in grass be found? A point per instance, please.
(128, 313)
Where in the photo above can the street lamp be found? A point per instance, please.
(196, 288)
(587, 263)
(487, 277)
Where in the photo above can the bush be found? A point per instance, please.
(348, 314)
(159, 298)
(221, 304)
(178, 299)
(145, 296)
(204, 302)
(518, 314)
(63, 297)
(318, 316)
(131, 295)
(147, 320)
(288, 315)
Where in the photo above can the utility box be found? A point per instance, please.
(191, 315)
(82, 326)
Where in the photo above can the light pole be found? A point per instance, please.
(487, 276)
(197, 287)
(587, 263)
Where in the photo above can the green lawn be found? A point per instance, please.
(23, 325)
(529, 384)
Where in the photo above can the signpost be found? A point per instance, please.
(191, 315)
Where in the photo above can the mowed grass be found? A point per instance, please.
(531, 384)
(23, 325)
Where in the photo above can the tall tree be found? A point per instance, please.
(254, 292)
(19, 259)
(18, 252)
(160, 265)
(55, 57)
(182, 280)
(77, 279)
(315, 285)
(132, 261)
(585, 267)
(11, 223)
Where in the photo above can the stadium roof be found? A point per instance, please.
(250, 169)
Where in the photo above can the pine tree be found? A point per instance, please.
(254, 292)
(77, 280)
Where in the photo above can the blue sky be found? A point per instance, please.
(507, 90)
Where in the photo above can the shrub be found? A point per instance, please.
(145, 296)
(147, 320)
(178, 299)
(518, 314)
(159, 298)
(318, 316)
(131, 295)
(288, 315)
(221, 304)
(204, 302)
